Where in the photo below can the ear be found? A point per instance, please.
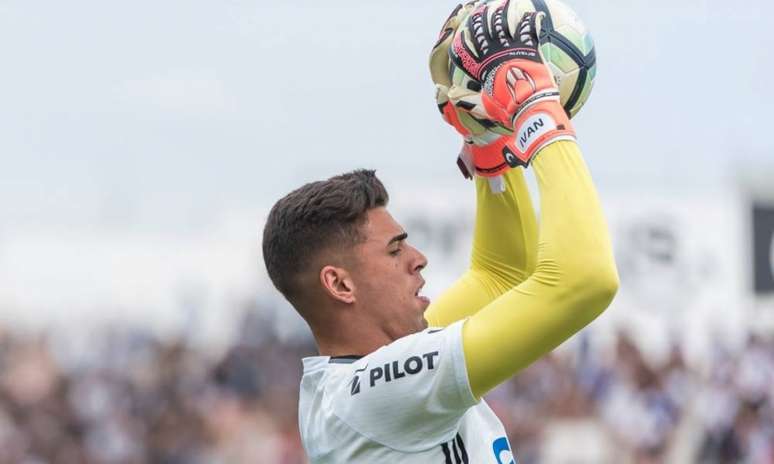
(338, 283)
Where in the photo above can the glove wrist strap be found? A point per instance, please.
(538, 125)
(535, 127)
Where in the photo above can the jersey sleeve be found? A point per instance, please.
(411, 394)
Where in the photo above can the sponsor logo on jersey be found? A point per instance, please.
(394, 370)
(355, 382)
(502, 451)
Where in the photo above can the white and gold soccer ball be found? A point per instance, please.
(567, 48)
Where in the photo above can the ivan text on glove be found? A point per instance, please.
(533, 128)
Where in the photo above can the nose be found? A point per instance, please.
(419, 262)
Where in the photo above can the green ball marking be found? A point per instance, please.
(558, 58)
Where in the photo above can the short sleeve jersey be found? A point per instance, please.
(408, 402)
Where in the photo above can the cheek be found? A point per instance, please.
(385, 273)
(385, 295)
(382, 281)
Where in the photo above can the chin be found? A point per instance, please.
(416, 326)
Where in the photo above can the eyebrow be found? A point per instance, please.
(398, 238)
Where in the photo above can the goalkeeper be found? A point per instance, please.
(399, 379)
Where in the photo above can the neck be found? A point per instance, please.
(349, 337)
(344, 345)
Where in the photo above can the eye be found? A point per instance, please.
(395, 252)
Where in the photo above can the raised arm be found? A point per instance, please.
(574, 281)
(575, 277)
(505, 234)
(503, 254)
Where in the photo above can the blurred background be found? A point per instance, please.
(142, 144)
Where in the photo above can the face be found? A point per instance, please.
(387, 276)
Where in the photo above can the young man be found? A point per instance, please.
(386, 388)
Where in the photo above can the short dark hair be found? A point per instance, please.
(316, 217)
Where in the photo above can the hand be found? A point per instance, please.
(518, 88)
(486, 143)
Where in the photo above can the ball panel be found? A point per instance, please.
(522, 6)
(585, 88)
(567, 86)
(565, 17)
(567, 47)
(558, 57)
(588, 44)
(592, 72)
(573, 38)
(557, 73)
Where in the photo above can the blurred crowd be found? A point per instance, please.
(617, 407)
(130, 397)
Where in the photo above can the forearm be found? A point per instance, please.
(505, 234)
(574, 280)
(503, 254)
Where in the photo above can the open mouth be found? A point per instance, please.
(421, 297)
(419, 289)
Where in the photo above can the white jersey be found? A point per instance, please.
(409, 402)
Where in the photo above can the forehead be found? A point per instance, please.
(380, 226)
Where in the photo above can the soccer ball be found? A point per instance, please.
(567, 48)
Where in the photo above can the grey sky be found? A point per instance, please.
(196, 106)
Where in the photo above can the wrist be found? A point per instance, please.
(539, 125)
(495, 158)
